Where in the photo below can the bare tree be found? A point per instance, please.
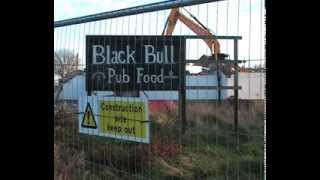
(65, 62)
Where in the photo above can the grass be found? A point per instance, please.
(208, 150)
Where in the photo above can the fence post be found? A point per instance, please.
(218, 80)
(182, 90)
(236, 85)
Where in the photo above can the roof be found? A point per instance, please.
(71, 75)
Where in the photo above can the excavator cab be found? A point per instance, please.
(209, 64)
(221, 56)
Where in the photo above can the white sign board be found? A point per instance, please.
(124, 118)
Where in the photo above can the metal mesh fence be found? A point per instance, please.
(209, 148)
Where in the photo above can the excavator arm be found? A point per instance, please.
(200, 30)
(175, 14)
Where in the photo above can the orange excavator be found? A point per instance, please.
(213, 44)
(201, 30)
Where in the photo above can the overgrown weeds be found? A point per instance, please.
(209, 149)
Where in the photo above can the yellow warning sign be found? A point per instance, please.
(88, 120)
(124, 118)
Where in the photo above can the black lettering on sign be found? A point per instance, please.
(121, 108)
(130, 130)
(116, 129)
(133, 62)
(120, 119)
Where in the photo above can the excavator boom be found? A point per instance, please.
(200, 30)
(174, 15)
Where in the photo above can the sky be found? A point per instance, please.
(65, 9)
(231, 17)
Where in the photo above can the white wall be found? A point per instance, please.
(74, 88)
(252, 84)
(252, 88)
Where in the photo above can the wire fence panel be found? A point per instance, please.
(104, 129)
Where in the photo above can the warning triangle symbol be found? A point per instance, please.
(88, 120)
